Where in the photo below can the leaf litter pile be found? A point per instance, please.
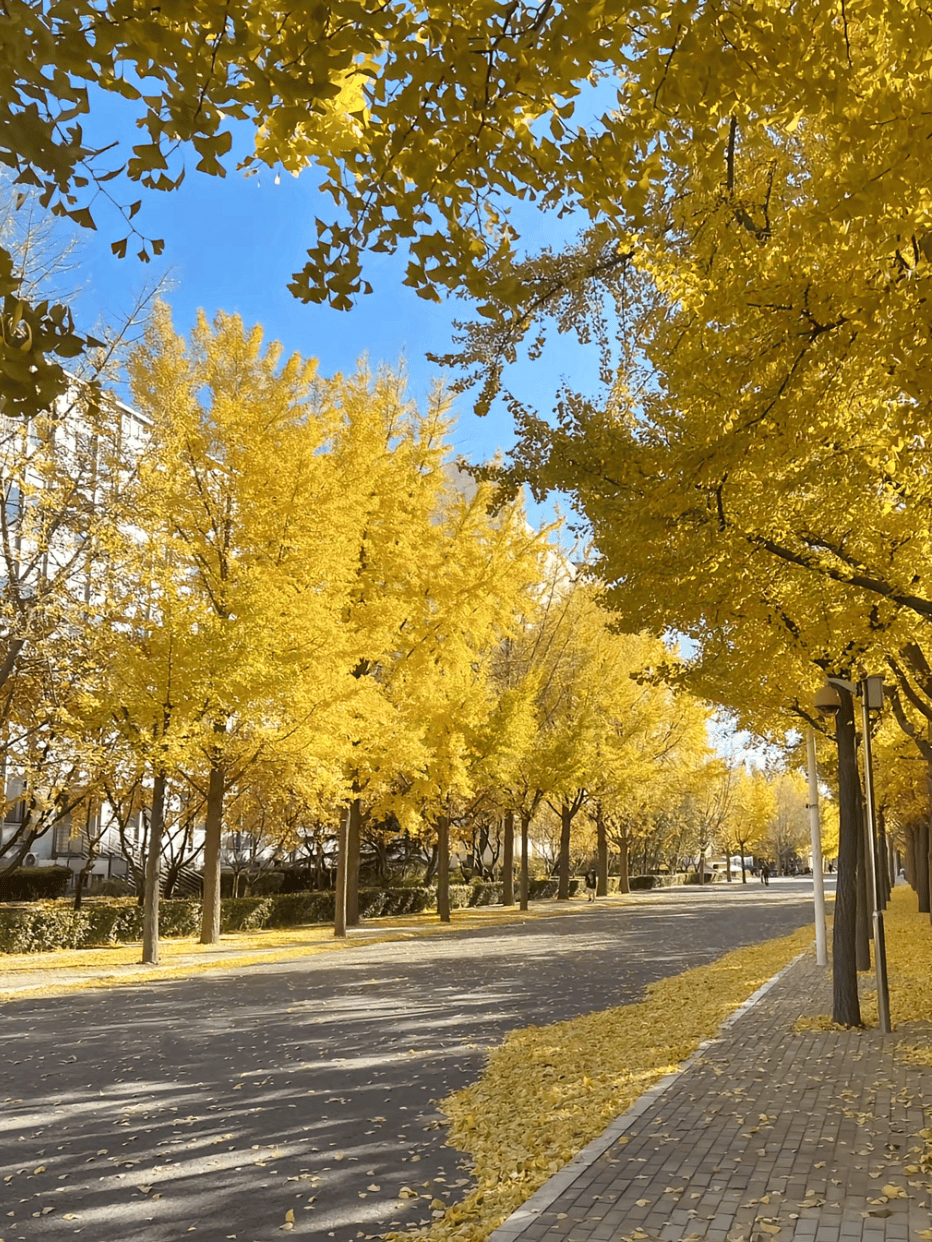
(548, 1091)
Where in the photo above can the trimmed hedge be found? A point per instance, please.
(34, 883)
(538, 890)
(42, 927)
(655, 879)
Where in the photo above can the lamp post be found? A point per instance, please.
(870, 691)
(818, 887)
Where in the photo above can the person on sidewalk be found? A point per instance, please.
(765, 874)
(591, 881)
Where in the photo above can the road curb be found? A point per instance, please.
(555, 1186)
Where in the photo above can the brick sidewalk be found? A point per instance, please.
(765, 1136)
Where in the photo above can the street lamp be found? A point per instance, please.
(870, 691)
(818, 883)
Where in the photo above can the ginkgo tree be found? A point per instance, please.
(555, 665)
(752, 810)
(150, 686)
(475, 580)
(733, 479)
(656, 744)
(393, 459)
(246, 501)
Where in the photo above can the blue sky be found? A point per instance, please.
(233, 243)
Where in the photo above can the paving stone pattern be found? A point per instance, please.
(768, 1135)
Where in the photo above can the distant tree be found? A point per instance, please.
(753, 810)
(786, 834)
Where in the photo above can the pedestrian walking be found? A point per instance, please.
(591, 882)
(765, 874)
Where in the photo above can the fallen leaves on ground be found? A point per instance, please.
(909, 950)
(548, 1091)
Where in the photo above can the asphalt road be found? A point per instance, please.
(212, 1107)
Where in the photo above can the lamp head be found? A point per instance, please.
(827, 700)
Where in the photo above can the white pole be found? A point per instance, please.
(818, 888)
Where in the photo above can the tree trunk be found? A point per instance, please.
(431, 870)
(508, 860)
(339, 896)
(601, 846)
(909, 862)
(883, 859)
(150, 908)
(79, 887)
(354, 833)
(89, 861)
(213, 833)
(381, 855)
(443, 868)
(922, 867)
(846, 1009)
(566, 824)
(865, 905)
(525, 878)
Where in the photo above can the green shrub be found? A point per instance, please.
(45, 927)
(40, 929)
(293, 909)
(538, 890)
(180, 916)
(486, 893)
(34, 883)
(460, 896)
(661, 879)
(245, 913)
(374, 903)
(109, 923)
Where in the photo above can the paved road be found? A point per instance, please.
(212, 1107)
